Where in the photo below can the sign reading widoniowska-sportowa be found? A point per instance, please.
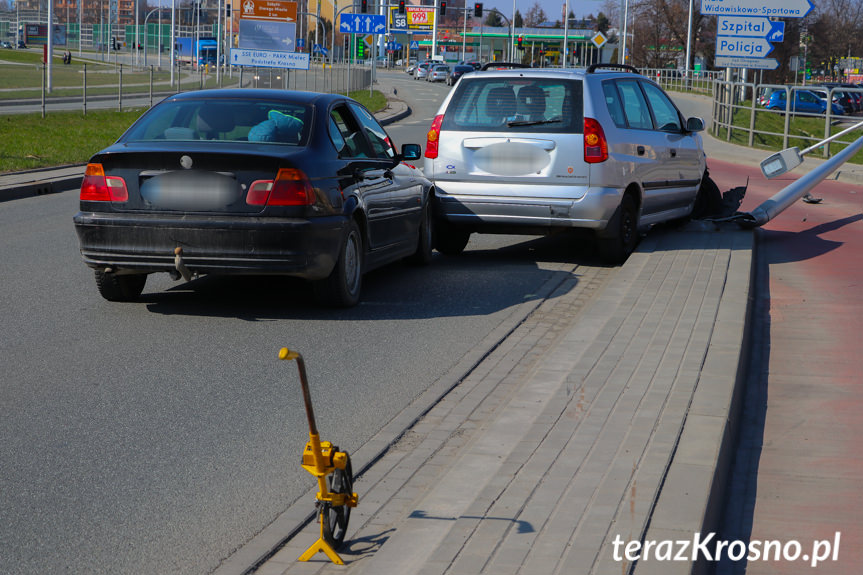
(772, 8)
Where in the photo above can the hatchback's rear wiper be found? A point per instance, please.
(533, 122)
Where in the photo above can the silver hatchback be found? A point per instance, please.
(533, 151)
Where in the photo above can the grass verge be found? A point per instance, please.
(29, 141)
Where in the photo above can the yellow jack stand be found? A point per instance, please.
(334, 499)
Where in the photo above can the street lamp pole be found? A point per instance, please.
(688, 43)
(512, 35)
(173, 38)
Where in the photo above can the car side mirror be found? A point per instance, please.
(694, 125)
(411, 152)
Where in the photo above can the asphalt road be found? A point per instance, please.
(159, 436)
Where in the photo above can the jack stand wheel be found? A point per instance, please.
(335, 518)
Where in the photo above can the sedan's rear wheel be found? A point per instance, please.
(342, 287)
(115, 287)
(425, 241)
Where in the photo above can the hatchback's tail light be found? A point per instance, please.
(595, 144)
(290, 188)
(97, 187)
(433, 137)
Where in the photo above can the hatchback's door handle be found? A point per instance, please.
(673, 153)
(640, 150)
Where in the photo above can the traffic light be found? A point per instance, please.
(477, 10)
(364, 6)
(443, 8)
(520, 40)
(402, 8)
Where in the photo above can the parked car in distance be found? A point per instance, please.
(802, 101)
(835, 107)
(422, 70)
(603, 150)
(458, 71)
(253, 182)
(845, 98)
(5, 44)
(439, 73)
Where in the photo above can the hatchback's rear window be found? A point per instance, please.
(256, 121)
(516, 105)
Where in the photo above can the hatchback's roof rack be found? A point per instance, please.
(632, 69)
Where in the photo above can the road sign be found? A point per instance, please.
(270, 59)
(743, 47)
(414, 18)
(267, 35)
(363, 24)
(414, 45)
(599, 39)
(775, 8)
(751, 63)
(269, 10)
(750, 27)
(301, 42)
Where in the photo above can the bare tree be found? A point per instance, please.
(535, 15)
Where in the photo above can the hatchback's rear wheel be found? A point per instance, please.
(125, 287)
(342, 287)
(620, 243)
(450, 240)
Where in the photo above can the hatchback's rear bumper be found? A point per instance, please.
(533, 206)
(144, 242)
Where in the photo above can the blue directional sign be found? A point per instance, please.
(774, 8)
(414, 45)
(363, 24)
(743, 47)
(750, 27)
(301, 42)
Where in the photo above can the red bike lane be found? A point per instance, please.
(809, 462)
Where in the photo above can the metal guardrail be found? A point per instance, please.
(735, 100)
(137, 86)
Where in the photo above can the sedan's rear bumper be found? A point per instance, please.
(305, 248)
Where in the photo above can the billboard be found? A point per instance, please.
(415, 18)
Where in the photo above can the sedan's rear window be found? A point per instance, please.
(256, 121)
(517, 105)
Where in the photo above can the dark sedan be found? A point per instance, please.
(457, 72)
(253, 182)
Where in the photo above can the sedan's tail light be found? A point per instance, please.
(290, 188)
(595, 144)
(433, 137)
(97, 187)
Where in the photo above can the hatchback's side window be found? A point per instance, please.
(666, 115)
(634, 105)
(612, 101)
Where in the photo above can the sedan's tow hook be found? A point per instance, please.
(180, 265)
